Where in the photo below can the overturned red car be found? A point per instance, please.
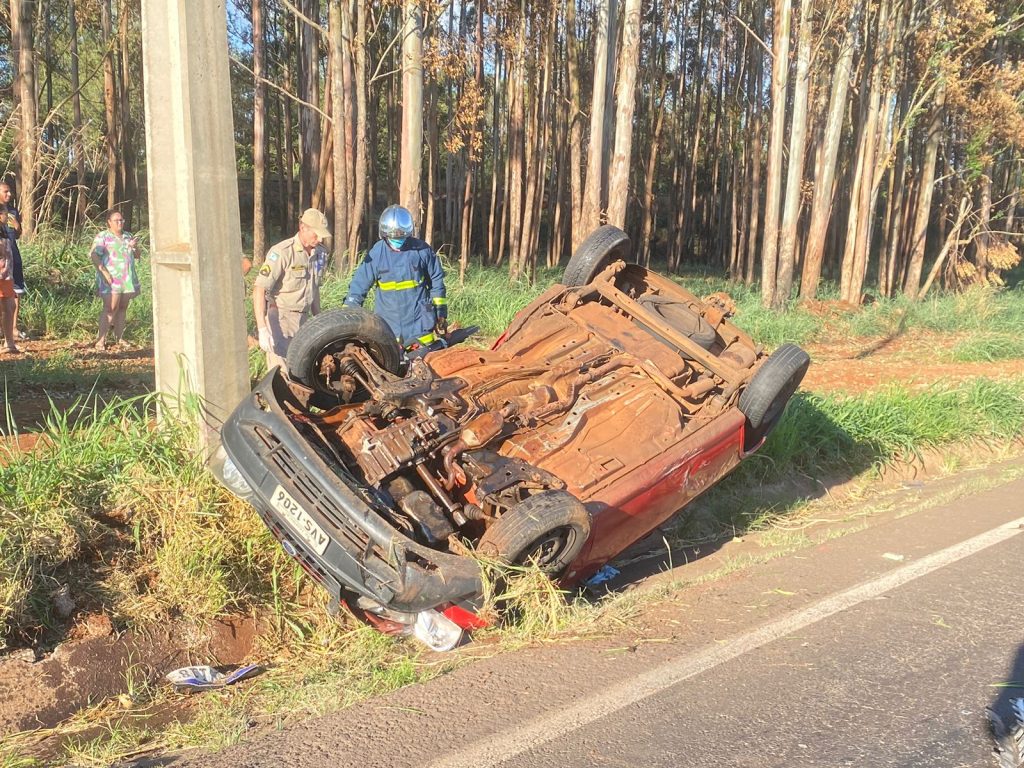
(609, 403)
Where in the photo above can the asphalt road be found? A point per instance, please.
(880, 648)
(897, 680)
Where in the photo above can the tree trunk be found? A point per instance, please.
(625, 98)
(109, 103)
(323, 170)
(466, 235)
(259, 139)
(575, 126)
(337, 11)
(516, 144)
(288, 161)
(22, 41)
(692, 141)
(411, 165)
(756, 132)
(983, 241)
(951, 240)
(359, 182)
(433, 159)
(496, 165)
(125, 131)
(309, 91)
(795, 175)
(824, 173)
(926, 186)
(603, 41)
(649, 212)
(78, 148)
(536, 160)
(780, 78)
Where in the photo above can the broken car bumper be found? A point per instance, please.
(336, 535)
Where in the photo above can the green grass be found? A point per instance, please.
(989, 347)
(828, 438)
(103, 481)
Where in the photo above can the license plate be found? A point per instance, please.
(300, 522)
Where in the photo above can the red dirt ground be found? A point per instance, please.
(915, 359)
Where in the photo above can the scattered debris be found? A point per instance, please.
(203, 678)
(607, 573)
(436, 631)
(893, 556)
(63, 603)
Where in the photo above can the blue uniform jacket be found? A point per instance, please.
(409, 286)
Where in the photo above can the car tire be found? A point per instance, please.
(550, 528)
(688, 322)
(599, 249)
(764, 400)
(331, 331)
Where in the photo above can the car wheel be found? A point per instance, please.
(331, 332)
(549, 528)
(764, 400)
(600, 248)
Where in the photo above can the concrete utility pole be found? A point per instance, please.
(198, 299)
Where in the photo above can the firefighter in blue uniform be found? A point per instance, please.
(409, 282)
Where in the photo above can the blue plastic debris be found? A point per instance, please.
(607, 573)
(203, 678)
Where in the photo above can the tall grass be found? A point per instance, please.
(827, 439)
(823, 433)
(107, 487)
(989, 347)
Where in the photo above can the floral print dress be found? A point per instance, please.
(116, 255)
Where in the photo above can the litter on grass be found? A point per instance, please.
(204, 678)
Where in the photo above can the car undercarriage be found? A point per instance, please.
(604, 408)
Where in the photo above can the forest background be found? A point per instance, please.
(867, 142)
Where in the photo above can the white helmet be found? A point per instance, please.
(396, 223)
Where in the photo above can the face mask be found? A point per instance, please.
(396, 242)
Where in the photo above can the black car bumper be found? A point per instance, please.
(364, 553)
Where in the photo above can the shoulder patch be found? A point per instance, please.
(273, 256)
(265, 270)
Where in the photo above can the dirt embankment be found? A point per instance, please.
(97, 663)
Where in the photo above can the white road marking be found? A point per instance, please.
(549, 726)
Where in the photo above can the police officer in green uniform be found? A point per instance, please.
(286, 291)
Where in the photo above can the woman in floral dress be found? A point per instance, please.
(113, 253)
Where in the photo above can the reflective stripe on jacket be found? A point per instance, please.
(409, 288)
